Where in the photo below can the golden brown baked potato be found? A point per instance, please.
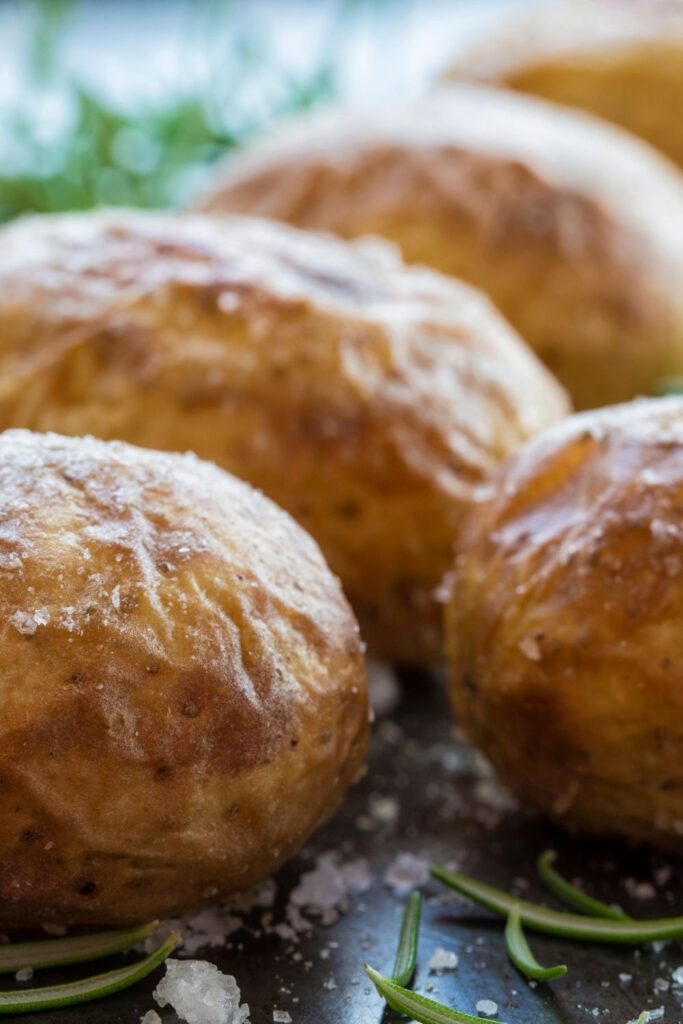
(565, 622)
(573, 227)
(620, 59)
(368, 399)
(183, 690)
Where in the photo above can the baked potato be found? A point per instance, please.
(368, 399)
(564, 626)
(571, 226)
(183, 689)
(620, 59)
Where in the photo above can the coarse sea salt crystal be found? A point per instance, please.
(151, 1017)
(25, 974)
(487, 1007)
(406, 872)
(281, 1017)
(200, 994)
(324, 890)
(677, 976)
(650, 1015)
(443, 960)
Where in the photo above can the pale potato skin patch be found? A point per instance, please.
(569, 224)
(564, 624)
(369, 399)
(182, 687)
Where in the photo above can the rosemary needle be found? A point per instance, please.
(573, 896)
(521, 955)
(70, 950)
(51, 997)
(406, 952)
(553, 922)
(418, 1008)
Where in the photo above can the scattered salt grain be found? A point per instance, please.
(661, 985)
(625, 979)
(406, 872)
(324, 891)
(383, 809)
(443, 960)
(151, 1017)
(383, 687)
(281, 1017)
(487, 1007)
(650, 1015)
(200, 994)
(28, 622)
(639, 890)
(25, 974)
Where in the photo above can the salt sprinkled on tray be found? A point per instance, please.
(151, 1017)
(200, 994)
(639, 890)
(406, 872)
(383, 687)
(281, 1017)
(443, 960)
(324, 891)
(487, 1007)
(25, 974)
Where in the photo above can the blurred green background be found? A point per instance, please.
(129, 103)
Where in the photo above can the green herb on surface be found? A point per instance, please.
(521, 955)
(417, 1007)
(573, 896)
(51, 997)
(553, 922)
(406, 953)
(72, 949)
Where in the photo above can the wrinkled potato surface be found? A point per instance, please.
(564, 626)
(182, 683)
(569, 224)
(368, 399)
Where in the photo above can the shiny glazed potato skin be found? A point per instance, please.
(183, 689)
(564, 627)
(621, 60)
(571, 226)
(367, 399)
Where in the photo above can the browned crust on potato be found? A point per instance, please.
(183, 690)
(619, 59)
(569, 224)
(564, 623)
(368, 399)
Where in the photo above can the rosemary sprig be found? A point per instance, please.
(73, 949)
(406, 952)
(522, 956)
(417, 1007)
(553, 922)
(52, 997)
(572, 895)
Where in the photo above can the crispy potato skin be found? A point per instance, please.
(183, 688)
(367, 399)
(621, 60)
(564, 627)
(569, 224)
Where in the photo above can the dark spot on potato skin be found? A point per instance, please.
(87, 889)
(162, 772)
(31, 835)
(191, 707)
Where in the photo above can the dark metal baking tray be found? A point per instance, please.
(447, 812)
